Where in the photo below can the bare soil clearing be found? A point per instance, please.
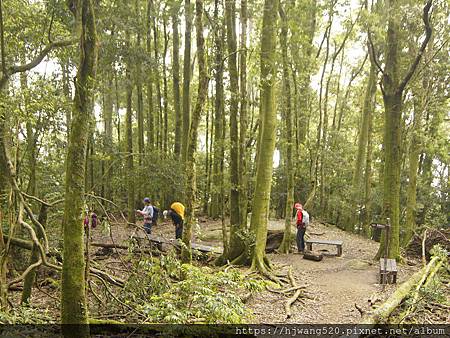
(335, 284)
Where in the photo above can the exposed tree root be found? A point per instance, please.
(286, 291)
(290, 301)
(263, 269)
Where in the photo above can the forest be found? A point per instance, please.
(173, 162)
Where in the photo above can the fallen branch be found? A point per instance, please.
(21, 243)
(424, 258)
(290, 301)
(105, 276)
(360, 310)
(381, 314)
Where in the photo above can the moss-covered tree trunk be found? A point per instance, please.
(149, 82)
(186, 79)
(236, 243)
(287, 116)
(217, 177)
(140, 98)
(73, 296)
(392, 89)
(415, 149)
(243, 171)
(360, 163)
(186, 253)
(368, 179)
(4, 187)
(261, 199)
(157, 78)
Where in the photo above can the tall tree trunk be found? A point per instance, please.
(236, 243)
(243, 171)
(165, 90)
(176, 79)
(131, 217)
(287, 116)
(320, 127)
(108, 145)
(368, 107)
(140, 100)
(415, 150)
(31, 138)
(261, 199)
(217, 196)
(186, 79)
(305, 71)
(149, 82)
(207, 141)
(67, 95)
(392, 89)
(159, 121)
(186, 253)
(368, 180)
(73, 295)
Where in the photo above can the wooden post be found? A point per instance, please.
(386, 246)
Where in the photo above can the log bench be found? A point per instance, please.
(337, 243)
(390, 271)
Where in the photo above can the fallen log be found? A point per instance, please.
(382, 313)
(22, 243)
(110, 245)
(312, 256)
(425, 280)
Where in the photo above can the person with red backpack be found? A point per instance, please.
(302, 221)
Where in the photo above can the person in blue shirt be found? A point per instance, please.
(147, 213)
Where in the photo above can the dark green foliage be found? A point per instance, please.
(170, 292)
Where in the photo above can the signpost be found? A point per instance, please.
(386, 247)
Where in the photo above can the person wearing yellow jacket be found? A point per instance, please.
(176, 213)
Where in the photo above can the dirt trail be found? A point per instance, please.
(336, 284)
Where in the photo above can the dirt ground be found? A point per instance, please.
(335, 284)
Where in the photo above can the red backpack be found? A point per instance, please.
(299, 217)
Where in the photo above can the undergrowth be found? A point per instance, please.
(25, 315)
(170, 292)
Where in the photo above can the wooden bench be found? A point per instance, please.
(337, 243)
(390, 271)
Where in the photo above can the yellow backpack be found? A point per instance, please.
(178, 208)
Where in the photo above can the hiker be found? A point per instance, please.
(90, 221)
(302, 221)
(176, 213)
(147, 212)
